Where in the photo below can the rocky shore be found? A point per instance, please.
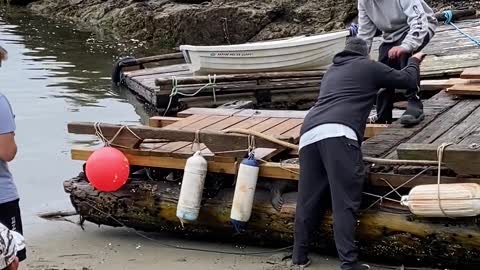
(168, 23)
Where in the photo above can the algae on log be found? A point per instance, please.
(383, 235)
(19, 2)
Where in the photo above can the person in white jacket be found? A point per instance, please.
(407, 26)
(10, 244)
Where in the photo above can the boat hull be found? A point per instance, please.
(295, 54)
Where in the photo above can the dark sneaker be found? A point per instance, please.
(299, 266)
(414, 113)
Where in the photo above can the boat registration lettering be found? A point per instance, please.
(230, 54)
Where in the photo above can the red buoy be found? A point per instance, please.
(107, 169)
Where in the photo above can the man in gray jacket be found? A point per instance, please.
(407, 27)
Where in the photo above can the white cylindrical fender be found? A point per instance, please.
(456, 200)
(191, 192)
(245, 190)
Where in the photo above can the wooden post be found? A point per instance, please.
(463, 159)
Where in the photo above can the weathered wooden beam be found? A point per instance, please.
(373, 130)
(383, 234)
(215, 141)
(243, 112)
(268, 170)
(471, 73)
(457, 14)
(155, 58)
(238, 77)
(162, 121)
(463, 159)
(437, 85)
(465, 89)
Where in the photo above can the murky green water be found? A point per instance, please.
(56, 74)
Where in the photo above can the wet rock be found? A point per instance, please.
(168, 23)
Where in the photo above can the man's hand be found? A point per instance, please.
(419, 56)
(396, 52)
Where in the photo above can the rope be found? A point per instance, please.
(212, 82)
(396, 189)
(251, 145)
(99, 134)
(448, 14)
(196, 142)
(440, 153)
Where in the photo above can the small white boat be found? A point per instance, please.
(293, 54)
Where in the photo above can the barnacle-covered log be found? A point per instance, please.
(391, 235)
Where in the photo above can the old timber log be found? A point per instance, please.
(386, 235)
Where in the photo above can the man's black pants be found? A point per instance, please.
(386, 97)
(11, 218)
(331, 173)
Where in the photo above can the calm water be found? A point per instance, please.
(56, 74)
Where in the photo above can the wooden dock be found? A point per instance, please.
(387, 230)
(160, 84)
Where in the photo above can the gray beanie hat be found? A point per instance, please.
(357, 45)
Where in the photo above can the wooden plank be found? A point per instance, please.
(215, 141)
(434, 85)
(207, 111)
(226, 123)
(205, 123)
(143, 91)
(168, 148)
(281, 129)
(372, 130)
(293, 133)
(162, 121)
(468, 89)
(250, 122)
(464, 132)
(471, 73)
(267, 170)
(187, 151)
(273, 113)
(448, 121)
(265, 153)
(284, 127)
(385, 142)
(437, 85)
(268, 124)
(158, 71)
(187, 121)
(463, 159)
(151, 147)
(240, 77)
(244, 112)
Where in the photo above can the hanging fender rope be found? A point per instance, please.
(296, 148)
(107, 142)
(440, 153)
(212, 82)
(448, 14)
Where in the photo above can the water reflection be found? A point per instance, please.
(56, 74)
